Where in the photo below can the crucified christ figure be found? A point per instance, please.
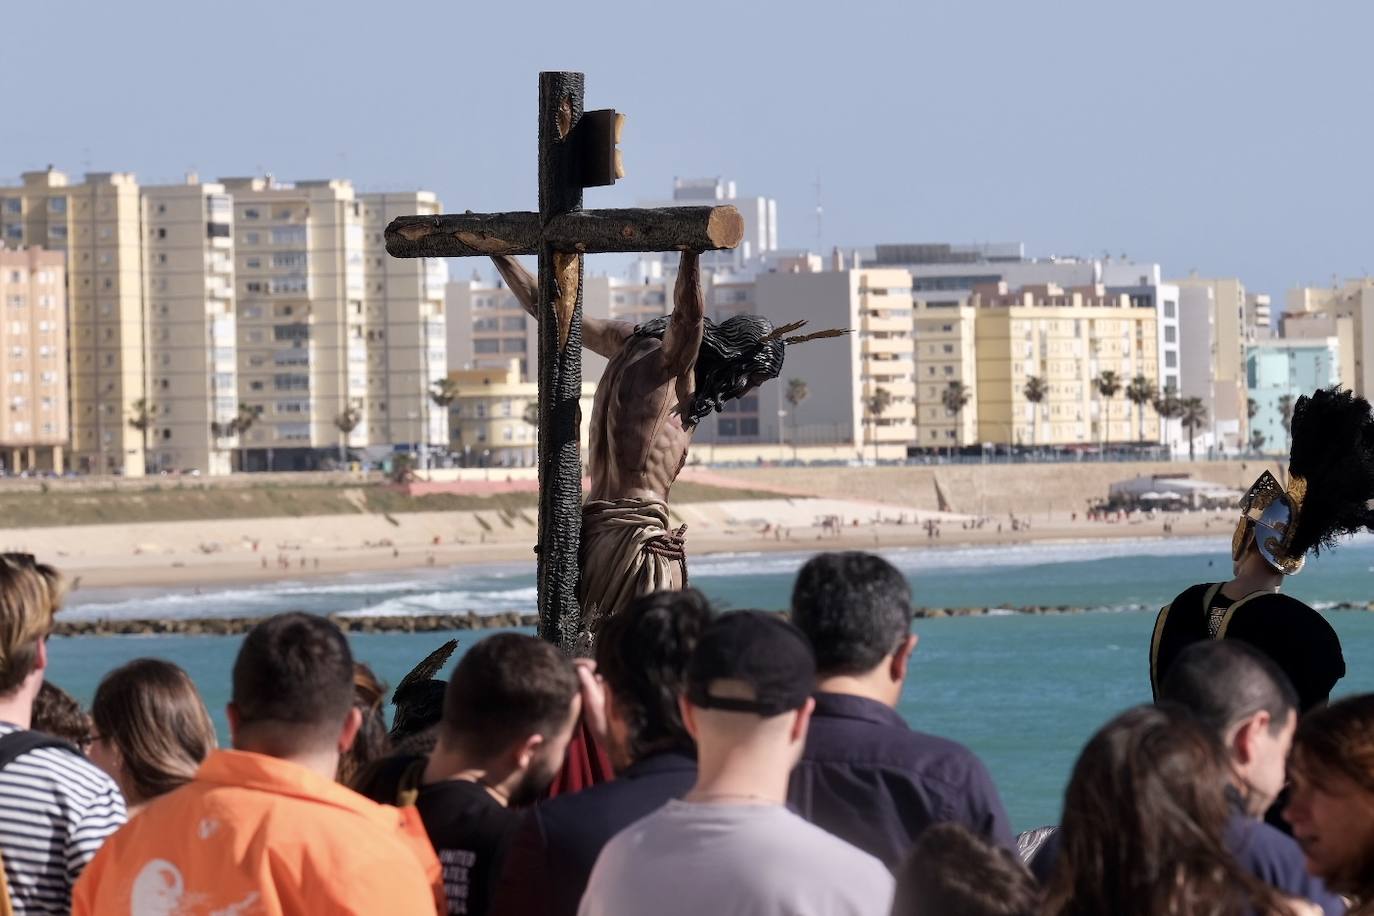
(662, 379)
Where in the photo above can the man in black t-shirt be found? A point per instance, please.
(509, 712)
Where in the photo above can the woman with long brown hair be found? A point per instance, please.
(151, 729)
(1143, 826)
(1331, 805)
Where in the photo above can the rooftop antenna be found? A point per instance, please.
(820, 212)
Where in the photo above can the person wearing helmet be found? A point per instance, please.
(1330, 483)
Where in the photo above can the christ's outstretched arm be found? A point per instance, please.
(602, 336)
(682, 340)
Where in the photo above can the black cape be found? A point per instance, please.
(1295, 636)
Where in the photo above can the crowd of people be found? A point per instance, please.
(760, 767)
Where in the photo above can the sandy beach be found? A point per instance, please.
(181, 554)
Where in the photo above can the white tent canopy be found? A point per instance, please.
(1174, 488)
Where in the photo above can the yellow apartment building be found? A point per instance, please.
(488, 426)
(1068, 337)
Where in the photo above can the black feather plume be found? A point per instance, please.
(1333, 450)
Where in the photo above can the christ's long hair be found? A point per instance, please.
(731, 351)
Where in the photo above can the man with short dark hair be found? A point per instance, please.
(731, 845)
(508, 714)
(264, 828)
(1243, 697)
(641, 666)
(56, 807)
(866, 776)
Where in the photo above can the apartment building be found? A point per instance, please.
(1345, 311)
(406, 327)
(843, 375)
(1278, 372)
(98, 224)
(1214, 309)
(189, 294)
(33, 359)
(945, 346)
(1069, 338)
(493, 419)
(303, 331)
(488, 327)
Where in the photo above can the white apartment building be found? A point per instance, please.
(302, 325)
(192, 343)
(407, 336)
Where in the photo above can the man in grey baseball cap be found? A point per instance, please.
(731, 845)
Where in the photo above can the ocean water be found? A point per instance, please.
(1024, 692)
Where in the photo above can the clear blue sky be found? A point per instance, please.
(1230, 137)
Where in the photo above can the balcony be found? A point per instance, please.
(884, 345)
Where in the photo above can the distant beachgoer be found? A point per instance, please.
(264, 828)
(57, 713)
(1151, 787)
(152, 731)
(866, 776)
(1331, 481)
(371, 743)
(1332, 803)
(56, 807)
(641, 666)
(731, 845)
(508, 716)
(953, 871)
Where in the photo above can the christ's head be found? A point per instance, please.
(736, 356)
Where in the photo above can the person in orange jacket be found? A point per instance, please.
(263, 830)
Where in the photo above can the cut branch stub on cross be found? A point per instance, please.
(577, 150)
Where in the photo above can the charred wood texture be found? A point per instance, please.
(581, 232)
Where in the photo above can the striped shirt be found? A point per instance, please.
(56, 809)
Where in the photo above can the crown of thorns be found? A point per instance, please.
(779, 331)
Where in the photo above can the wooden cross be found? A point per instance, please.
(577, 150)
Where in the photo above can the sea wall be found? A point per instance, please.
(988, 489)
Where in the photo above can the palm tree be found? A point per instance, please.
(1257, 438)
(443, 392)
(1169, 407)
(1251, 408)
(1036, 391)
(1193, 414)
(1107, 385)
(796, 393)
(345, 423)
(1141, 391)
(243, 421)
(955, 397)
(1286, 418)
(877, 403)
(144, 415)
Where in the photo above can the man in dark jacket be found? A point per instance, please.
(866, 776)
(641, 661)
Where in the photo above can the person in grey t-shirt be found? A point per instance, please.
(731, 846)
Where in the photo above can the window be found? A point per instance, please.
(291, 332)
(57, 205)
(13, 205)
(487, 346)
(251, 213)
(748, 426)
(251, 238)
(1171, 359)
(289, 259)
(291, 382)
(289, 235)
(1170, 333)
(727, 427)
(1170, 308)
(293, 284)
(513, 323)
(162, 233)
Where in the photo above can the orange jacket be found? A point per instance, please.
(257, 836)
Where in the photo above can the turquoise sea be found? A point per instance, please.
(1024, 692)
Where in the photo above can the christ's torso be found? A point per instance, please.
(638, 438)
